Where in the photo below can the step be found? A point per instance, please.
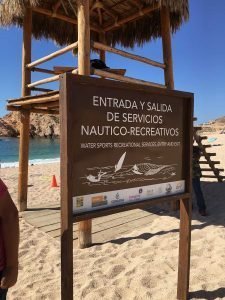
(210, 154)
(213, 176)
(212, 161)
(197, 128)
(212, 170)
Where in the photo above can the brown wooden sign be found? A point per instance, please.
(125, 142)
(123, 146)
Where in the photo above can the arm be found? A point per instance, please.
(10, 232)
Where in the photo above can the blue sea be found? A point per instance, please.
(41, 151)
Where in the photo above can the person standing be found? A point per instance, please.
(9, 241)
(196, 181)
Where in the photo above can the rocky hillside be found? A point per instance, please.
(41, 125)
(220, 120)
(217, 125)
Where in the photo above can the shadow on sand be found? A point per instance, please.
(214, 193)
(208, 295)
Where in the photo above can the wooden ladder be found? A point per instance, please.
(211, 163)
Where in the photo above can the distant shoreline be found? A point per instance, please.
(4, 165)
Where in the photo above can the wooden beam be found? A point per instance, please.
(210, 170)
(53, 55)
(197, 128)
(35, 100)
(44, 111)
(142, 59)
(44, 81)
(23, 159)
(66, 201)
(24, 115)
(61, 17)
(167, 56)
(184, 249)
(85, 227)
(100, 16)
(133, 17)
(213, 162)
(61, 70)
(125, 78)
(41, 90)
(203, 137)
(56, 6)
(72, 7)
(52, 93)
(34, 110)
(41, 70)
(53, 104)
(83, 38)
(167, 49)
(64, 8)
(137, 3)
(213, 176)
(102, 39)
(110, 12)
(210, 154)
(26, 51)
(48, 80)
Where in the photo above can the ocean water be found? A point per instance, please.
(41, 151)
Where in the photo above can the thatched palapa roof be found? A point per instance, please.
(126, 22)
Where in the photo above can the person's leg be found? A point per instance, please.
(3, 292)
(198, 192)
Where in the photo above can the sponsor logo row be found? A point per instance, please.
(107, 199)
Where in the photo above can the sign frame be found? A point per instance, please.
(66, 150)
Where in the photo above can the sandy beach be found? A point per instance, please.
(138, 265)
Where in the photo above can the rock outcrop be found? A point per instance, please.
(40, 125)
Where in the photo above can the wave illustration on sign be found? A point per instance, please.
(120, 173)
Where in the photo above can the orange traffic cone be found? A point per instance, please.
(54, 182)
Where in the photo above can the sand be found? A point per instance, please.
(143, 265)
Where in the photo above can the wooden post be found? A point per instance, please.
(168, 60)
(66, 200)
(102, 52)
(85, 232)
(25, 115)
(167, 50)
(83, 37)
(184, 249)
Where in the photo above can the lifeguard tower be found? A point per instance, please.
(85, 25)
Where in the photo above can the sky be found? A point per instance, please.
(198, 49)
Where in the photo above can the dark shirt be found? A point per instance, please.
(196, 170)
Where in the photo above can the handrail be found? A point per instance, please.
(145, 60)
(47, 80)
(106, 74)
(43, 81)
(52, 55)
